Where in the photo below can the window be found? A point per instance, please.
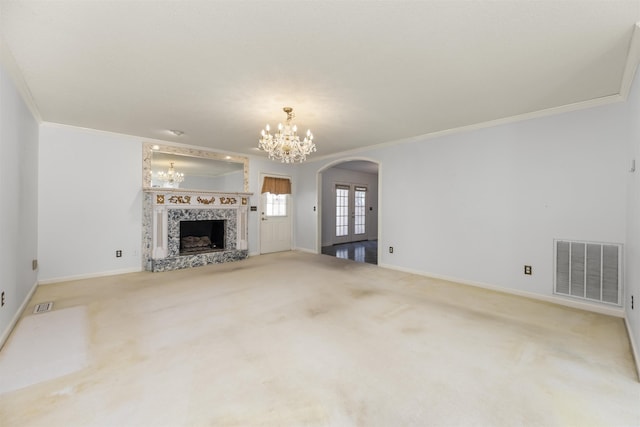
(276, 205)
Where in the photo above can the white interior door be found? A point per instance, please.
(275, 224)
(350, 213)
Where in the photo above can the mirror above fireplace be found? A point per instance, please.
(201, 170)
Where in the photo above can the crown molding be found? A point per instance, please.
(633, 59)
(583, 105)
(9, 63)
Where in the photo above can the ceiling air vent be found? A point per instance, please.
(588, 270)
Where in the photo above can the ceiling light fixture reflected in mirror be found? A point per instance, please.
(171, 178)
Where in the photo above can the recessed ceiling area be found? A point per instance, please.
(357, 74)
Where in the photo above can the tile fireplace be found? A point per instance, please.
(190, 228)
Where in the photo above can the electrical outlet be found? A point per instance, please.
(390, 249)
(631, 301)
(34, 264)
(527, 270)
(118, 253)
(2, 301)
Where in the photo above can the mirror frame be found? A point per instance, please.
(147, 154)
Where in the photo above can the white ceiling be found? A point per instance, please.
(357, 73)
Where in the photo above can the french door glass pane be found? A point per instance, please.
(360, 210)
(342, 211)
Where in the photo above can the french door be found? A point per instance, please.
(350, 213)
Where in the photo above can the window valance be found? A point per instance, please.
(275, 185)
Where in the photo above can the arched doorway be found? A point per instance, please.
(349, 204)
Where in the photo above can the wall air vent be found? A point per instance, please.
(589, 270)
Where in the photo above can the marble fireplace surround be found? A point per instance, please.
(165, 208)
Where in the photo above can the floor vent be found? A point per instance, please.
(589, 270)
(43, 307)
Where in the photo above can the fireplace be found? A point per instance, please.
(201, 236)
(190, 228)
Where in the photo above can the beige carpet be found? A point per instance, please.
(44, 346)
(294, 339)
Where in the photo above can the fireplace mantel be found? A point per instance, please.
(164, 208)
(196, 197)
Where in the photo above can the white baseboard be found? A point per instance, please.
(16, 317)
(309, 251)
(306, 250)
(634, 347)
(90, 276)
(610, 311)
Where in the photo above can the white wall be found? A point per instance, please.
(19, 195)
(632, 261)
(90, 203)
(330, 178)
(478, 206)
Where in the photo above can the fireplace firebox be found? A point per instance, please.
(202, 236)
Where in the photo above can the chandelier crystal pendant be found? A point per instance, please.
(171, 178)
(285, 145)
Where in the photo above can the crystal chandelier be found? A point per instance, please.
(171, 177)
(285, 145)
